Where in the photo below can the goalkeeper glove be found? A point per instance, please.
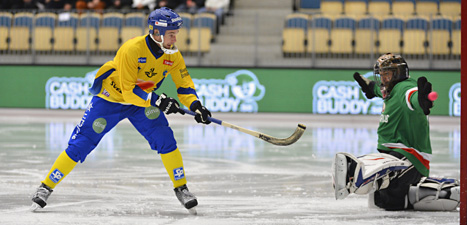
(366, 84)
(424, 88)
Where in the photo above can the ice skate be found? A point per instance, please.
(40, 197)
(186, 198)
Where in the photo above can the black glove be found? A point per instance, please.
(424, 88)
(202, 113)
(367, 85)
(166, 104)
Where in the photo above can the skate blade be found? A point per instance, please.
(34, 207)
(193, 211)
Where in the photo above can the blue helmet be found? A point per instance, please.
(164, 19)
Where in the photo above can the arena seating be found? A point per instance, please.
(89, 31)
(412, 27)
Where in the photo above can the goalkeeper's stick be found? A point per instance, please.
(273, 140)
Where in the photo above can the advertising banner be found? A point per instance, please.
(319, 91)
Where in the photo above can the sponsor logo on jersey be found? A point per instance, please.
(184, 73)
(114, 85)
(99, 125)
(150, 73)
(167, 62)
(142, 60)
(106, 93)
(178, 173)
(56, 176)
(152, 112)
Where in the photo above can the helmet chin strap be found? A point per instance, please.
(161, 44)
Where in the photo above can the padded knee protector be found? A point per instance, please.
(435, 194)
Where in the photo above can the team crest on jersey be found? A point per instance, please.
(142, 60)
(169, 63)
(178, 173)
(56, 176)
(150, 73)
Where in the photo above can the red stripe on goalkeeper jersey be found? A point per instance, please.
(424, 158)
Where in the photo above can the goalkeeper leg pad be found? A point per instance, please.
(361, 175)
(435, 194)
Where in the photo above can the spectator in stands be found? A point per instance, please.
(97, 5)
(66, 5)
(218, 7)
(172, 4)
(144, 4)
(24, 4)
(121, 4)
(190, 6)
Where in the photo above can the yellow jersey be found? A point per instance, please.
(141, 59)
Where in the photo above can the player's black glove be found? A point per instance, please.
(202, 113)
(366, 84)
(166, 104)
(424, 88)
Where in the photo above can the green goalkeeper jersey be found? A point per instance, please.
(403, 127)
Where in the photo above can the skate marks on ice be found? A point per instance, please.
(237, 178)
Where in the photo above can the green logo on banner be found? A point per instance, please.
(152, 112)
(99, 125)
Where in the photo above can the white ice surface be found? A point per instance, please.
(238, 179)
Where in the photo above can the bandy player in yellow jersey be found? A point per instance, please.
(125, 88)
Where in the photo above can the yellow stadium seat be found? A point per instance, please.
(44, 24)
(403, 8)
(294, 34)
(426, 8)
(200, 39)
(390, 35)
(318, 35)
(130, 32)
(109, 32)
(183, 36)
(20, 32)
(5, 25)
(64, 33)
(134, 26)
(379, 9)
(182, 39)
(366, 35)
(86, 33)
(342, 35)
(355, 7)
(450, 8)
(456, 37)
(108, 39)
(86, 39)
(440, 36)
(332, 7)
(293, 41)
(414, 36)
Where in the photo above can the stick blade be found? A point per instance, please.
(285, 141)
